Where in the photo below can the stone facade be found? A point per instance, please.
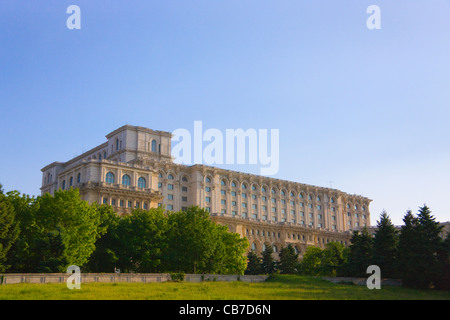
(134, 169)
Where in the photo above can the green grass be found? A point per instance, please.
(278, 287)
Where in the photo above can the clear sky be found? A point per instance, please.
(364, 111)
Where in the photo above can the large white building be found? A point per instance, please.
(134, 169)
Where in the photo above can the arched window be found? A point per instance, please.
(79, 178)
(71, 182)
(233, 184)
(153, 145)
(110, 177)
(170, 177)
(104, 155)
(126, 181)
(64, 184)
(222, 182)
(117, 144)
(207, 179)
(253, 246)
(263, 189)
(141, 183)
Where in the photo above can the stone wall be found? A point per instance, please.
(14, 278)
(363, 281)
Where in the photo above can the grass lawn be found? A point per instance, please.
(283, 287)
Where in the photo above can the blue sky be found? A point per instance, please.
(366, 109)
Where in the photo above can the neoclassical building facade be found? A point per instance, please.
(134, 169)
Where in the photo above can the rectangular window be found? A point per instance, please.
(184, 199)
(233, 203)
(222, 192)
(105, 200)
(254, 206)
(159, 185)
(121, 203)
(233, 193)
(223, 211)
(207, 189)
(130, 204)
(170, 186)
(223, 201)
(244, 195)
(170, 196)
(184, 189)
(170, 207)
(208, 199)
(244, 205)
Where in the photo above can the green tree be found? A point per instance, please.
(253, 264)
(142, 240)
(333, 259)
(419, 248)
(311, 263)
(78, 221)
(288, 263)
(443, 256)
(407, 255)
(9, 229)
(268, 264)
(360, 254)
(196, 244)
(21, 254)
(385, 246)
(105, 256)
(232, 257)
(50, 251)
(191, 241)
